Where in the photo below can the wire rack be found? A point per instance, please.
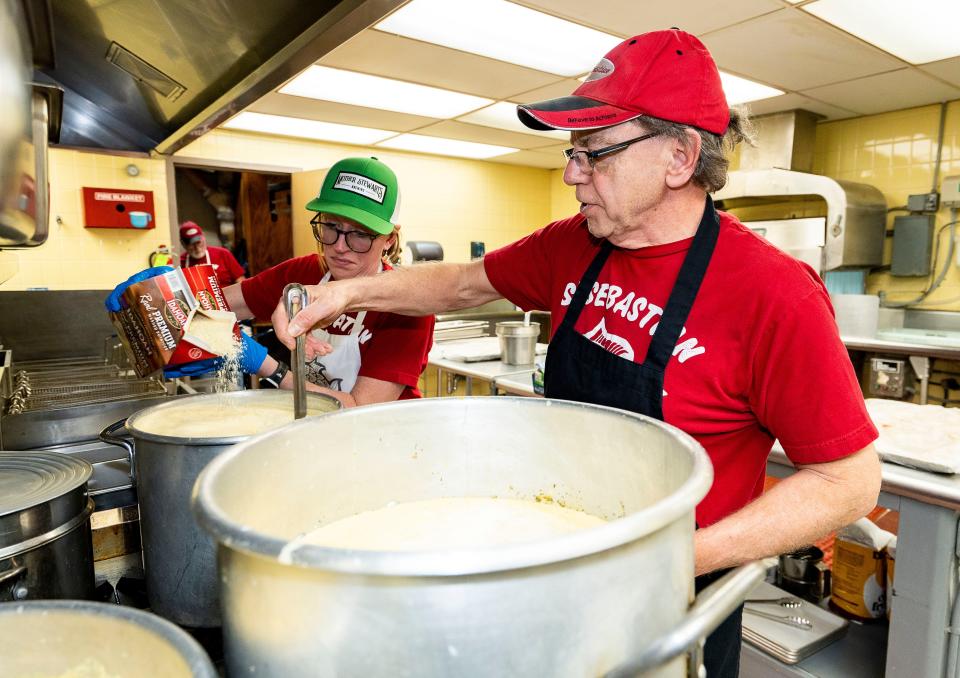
(57, 384)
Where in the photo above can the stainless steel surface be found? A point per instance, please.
(926, 565)
(518, 342)
(788, 602)
(65, 386)
(180, 558)
(856, 213)
(710, 608)
(15, 64)
(45, 324)
(77, 423)
(785, 140)
(79, 637)
(578, 605)
(294, 296)
(789, 620)
(900, 348)
(45, 547)
(183, 68)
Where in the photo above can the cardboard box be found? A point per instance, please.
(155, 312)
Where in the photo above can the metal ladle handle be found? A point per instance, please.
(294, 298)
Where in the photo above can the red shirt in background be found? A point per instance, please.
(393, 347)
(226, 266)
(760, 356)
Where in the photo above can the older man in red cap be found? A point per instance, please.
(196, 252)
(664, 306)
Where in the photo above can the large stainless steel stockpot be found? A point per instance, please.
(82, 638)
(615, 598)
(179, 558)
(45, 545)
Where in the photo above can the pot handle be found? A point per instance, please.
(109, 436)
(714, 604)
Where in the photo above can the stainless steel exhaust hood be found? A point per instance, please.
(142, 75)
(852, 216)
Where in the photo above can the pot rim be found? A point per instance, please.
(131, 425)
(616, 533)
(193, 654)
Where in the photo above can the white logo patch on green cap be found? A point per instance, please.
(368, 188)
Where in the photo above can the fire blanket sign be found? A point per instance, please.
(117, 208)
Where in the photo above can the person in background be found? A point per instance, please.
(197, 251)
(663, 306)
(375, 356)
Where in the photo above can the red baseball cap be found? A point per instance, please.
(190, 233)
(663, 74)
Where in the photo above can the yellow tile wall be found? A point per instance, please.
(896, 152)
(451, 201)
(75, 257)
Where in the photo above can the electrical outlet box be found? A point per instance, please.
(912, 244)
(923, 202)
(950, 190)
(888, 377)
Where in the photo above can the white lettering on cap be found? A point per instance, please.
(604, 68)
(357, 183)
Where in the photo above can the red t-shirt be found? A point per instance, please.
(760, 357)
(228, 269)
(393, 347)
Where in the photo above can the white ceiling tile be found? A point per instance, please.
(531, 159)
(560, 88)
(329, 111)
(452, 129)
(629, 17)
(787, 102)
(392, 56)
(948, 69)
(905, 88)
(792, 50)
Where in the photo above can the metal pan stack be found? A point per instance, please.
(790, 644)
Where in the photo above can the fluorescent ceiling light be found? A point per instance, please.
(371, 91)
(740, 90)
(503, 115)
(919, 32)
(441, 146)
(308, 129)
(504, 31)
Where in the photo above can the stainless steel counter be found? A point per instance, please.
(927, 565)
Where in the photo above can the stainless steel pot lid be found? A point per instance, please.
(28, 479)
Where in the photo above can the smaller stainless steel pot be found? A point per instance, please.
(77, 637)
(45, 545)
(518, 342)
(179, 559)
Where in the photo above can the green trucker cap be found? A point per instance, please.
(362, 189)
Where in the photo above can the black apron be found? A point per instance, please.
(578, 369)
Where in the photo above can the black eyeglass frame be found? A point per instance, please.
(593, 156)
(349, 237)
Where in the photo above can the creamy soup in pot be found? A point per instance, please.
(215, 419)
(451, 523)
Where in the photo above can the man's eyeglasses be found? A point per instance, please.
(328, 233)
(587, 159)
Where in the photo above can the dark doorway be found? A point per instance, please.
(246, 212)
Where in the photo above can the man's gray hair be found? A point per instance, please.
(712, 165)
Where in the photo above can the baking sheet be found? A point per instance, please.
(789, 644)
(474, 350)
(925, 437)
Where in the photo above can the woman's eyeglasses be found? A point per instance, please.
(328, 233)
(587, 159)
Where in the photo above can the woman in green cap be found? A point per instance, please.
(376, 357)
